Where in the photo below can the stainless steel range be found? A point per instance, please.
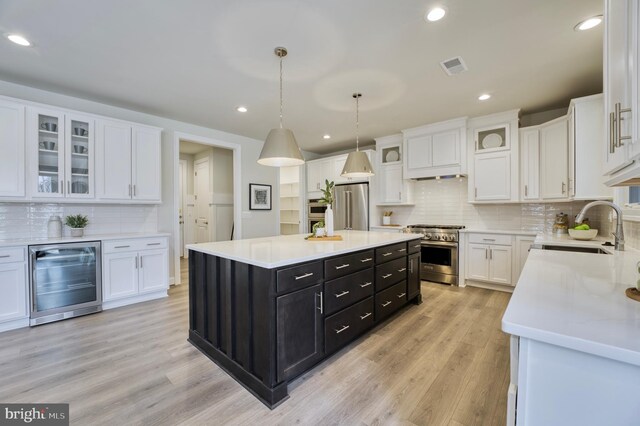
(439, 252)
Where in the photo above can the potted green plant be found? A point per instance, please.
(327, 198)
(318, 229)
(77, 223)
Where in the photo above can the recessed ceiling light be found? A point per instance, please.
(587, 24)
(435, 14)
(18, 39)
(326, 137)
(484, 97)
(241, 109)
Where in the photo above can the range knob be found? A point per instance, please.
(448, 237)
(427, 236)
(437, 237)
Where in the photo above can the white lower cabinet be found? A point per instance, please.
(478, 262)
(523, 245)
(134, 270)
(489, 258)
(13, 288)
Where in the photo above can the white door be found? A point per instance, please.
(530, 155)
(113, 159)
(554, 160)
(12, 147)
(203, 210)
(391, 183)
(79, 156)
(182, 178)
(13, 291)
(120, 275)
(500, 264)
(477, 261)
(445, 148)
(146, 160)
(46, 142)
(153, 272)
(492, 176)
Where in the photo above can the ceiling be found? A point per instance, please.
(197, 60)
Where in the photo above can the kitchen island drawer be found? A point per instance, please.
(393, 251)
(345, 291)
(390, 300)
(345, 265)
(413, 246)
(346, 325)
(390, 273)
(298, 277)
(12, 254)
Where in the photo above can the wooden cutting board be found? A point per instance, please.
(334, 238)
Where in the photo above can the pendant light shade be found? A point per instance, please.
(357, 164)
(280, 149)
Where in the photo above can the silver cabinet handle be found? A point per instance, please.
(486, 253)
(385, 304)
(612, 132)
(619, 112)
(404, 249)
(402, 270)
(488, 239)
(129, 190)
(68, 187)
(344, 293)
(321, 307)
(411, 266)
(476, 192)
(346, 265)
(140, 262)
(367, 315)
(387, 254)
(401, 295)
(5, 256)
(299, 277)
(134, 190)
(367, 284)
(490, 254)
(136, 262)
(61, 187)
(526, 191)
(386, 276)
(344, 327)
(153, 244)
(400, 195)
(368, 259)
(122, 246)
(417, 246)
(564, 185)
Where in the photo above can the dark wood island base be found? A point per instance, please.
(265, 327)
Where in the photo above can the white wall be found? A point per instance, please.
(254, 224)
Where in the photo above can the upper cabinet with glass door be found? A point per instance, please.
(61, 154)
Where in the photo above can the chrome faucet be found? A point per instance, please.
(619, 234)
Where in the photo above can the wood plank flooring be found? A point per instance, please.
(444, 362)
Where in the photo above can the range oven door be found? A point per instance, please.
(439, 257)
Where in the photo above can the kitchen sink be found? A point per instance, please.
(596, 250)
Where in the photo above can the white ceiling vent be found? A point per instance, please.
(454, 66)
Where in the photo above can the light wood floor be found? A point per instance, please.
(444, 362)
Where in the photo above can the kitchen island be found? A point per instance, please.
(266, 310)
(575, 338)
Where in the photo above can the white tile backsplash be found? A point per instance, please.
(445, 202)
(29, 220)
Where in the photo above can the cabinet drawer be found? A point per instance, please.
(298, 277)
(390, 300)
(345, 291)
(386, 253)
(345, 265)
(346, 325)
(134, 244)
(500, 239)
(12, 254)
(390, 273)
(413, 246)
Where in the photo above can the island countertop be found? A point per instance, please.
(282, 250)
(577, 301)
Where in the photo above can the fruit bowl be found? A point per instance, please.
(585, 235)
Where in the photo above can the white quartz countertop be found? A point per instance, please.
(103, 237)
(577, 301)
(273, 252)
(494, 231)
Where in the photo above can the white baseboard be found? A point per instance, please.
(134, 299)
(172, 280)
(490, 286)
(13, 324)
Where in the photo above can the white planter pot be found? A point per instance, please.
(319, 232)
(77, 232)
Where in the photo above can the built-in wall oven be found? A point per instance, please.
(65, 281)
(438, 253)
(315, 213)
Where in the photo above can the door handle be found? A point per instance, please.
(129, 190)
(564, 185)
(134, 190)
(368, 259)
(140, 262)
(61, 191)
(411, 266)
(346, 265)
(486, 253)
(386, 276)
(401, 295)
(136, 262)
(68, 187)
(387, 254)
(367, 284)
(368, 314)
(299, 277)
(490, 254)
(526, 191)
(402, 269)
(385, 304)
(344, 293)
(344, 327)
(619, 112)
(321, 307)
(612, 132)
(404, 249)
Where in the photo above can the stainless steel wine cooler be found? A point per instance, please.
(66, 281)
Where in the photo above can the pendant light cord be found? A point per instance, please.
(281, 92)
(357, 122)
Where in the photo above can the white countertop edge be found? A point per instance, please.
(571, 342)
(62, 240)
(388, 226)
(493, 231)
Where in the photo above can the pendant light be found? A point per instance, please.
(357, 164)
(280, 149)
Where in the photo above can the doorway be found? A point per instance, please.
(206, 201)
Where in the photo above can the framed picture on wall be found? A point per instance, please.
(260, 196)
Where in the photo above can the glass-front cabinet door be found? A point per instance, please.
(49, 160)
(79, 157)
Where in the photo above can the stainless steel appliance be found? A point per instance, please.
(66, 281)
(438, 252)
(351, 207)
(315, 213)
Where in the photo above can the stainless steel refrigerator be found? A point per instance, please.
(351, 207)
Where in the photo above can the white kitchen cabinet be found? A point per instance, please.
(134, 270)
(128, 162)
(523, 246)
(489, 258)
(500, 264)
(317, 172)
(338, 164)
(13, 288)
(554, 160)
(330, 169)
(492, 177)
(478, 262)
(393, 188)
(530, 163)
(12, 147)
(435, 150)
